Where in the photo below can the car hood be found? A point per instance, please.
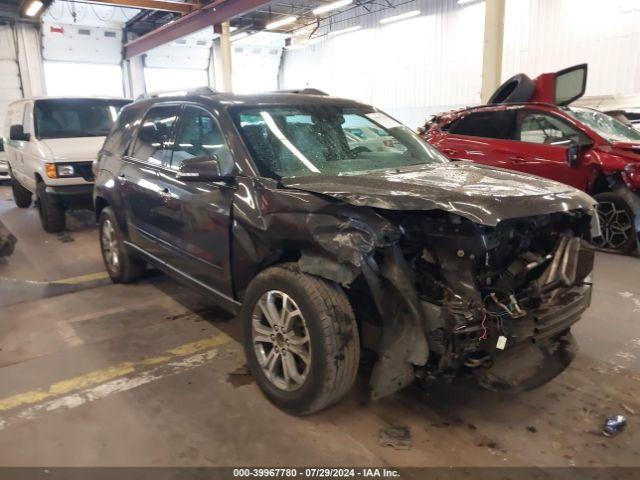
(482, 194)
(71, 149)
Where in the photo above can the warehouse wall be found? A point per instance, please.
(436, 68)
(432, 63)
(548, 35)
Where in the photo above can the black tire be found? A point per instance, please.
(21, 195)
(128, 268)
(614, 212)
(518, 89)
(51, 211)
(332, 338)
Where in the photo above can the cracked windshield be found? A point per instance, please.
(303, 141)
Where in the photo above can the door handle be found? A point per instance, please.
(516, 159)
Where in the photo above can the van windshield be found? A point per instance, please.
(296, 141)
(68, 118)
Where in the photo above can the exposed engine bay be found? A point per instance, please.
(497, 301)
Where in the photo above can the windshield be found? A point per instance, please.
(67, 118)
(604, 125)
(292, 141)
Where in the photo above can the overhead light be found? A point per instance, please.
(239, 36)
(402, 16)
(331, 6)
(280, 23)
(345, 30)
(33, 8)
(462, 2)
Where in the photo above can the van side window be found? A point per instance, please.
(26, 118)
(492, 124)
(154, 141)
(199, 136)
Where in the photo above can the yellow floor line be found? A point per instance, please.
(109, 373)
(90, 277)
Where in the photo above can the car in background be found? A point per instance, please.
(4, 165)
(325, 247)
(50, 146)
(529, 127)
(630, 117)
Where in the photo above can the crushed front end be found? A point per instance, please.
(454, 296)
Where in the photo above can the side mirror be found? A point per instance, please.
(202, 169)
(16, 132)
(573, 155)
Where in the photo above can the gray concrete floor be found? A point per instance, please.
(95, 374)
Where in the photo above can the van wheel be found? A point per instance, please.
(301, 339)
(21, 195)
(120, 264)
(617, 224)
(50, 209)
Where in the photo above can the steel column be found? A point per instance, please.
(492, 50)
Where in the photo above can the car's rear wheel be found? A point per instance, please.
(617, 224)
(21, 195)
(52, 216)
(121, 266)
(301, 339)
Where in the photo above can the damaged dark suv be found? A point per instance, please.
(333, 230)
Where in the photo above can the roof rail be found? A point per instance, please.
(305, 91)
(178, 93)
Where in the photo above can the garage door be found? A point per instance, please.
(82, 60)
(10, 89)
(179, 65)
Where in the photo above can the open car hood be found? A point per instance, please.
(559, 88)
(481, 194)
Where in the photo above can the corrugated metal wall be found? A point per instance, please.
(548, 35)
(410, 68)
(433, 62)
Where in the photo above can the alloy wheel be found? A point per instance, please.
(616, 225)
(110, 246)
(281, 340)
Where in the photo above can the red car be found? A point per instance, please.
(529, 127)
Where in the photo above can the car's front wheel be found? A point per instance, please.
(52, 216)
(617, 224)
(301, 339)
(21, 195)
(121, 266)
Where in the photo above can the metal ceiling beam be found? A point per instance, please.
(210, 14)
(162, 5)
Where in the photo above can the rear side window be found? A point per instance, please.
(153, 143)
(121, 132)
(500, 124)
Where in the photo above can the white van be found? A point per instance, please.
(50, 144)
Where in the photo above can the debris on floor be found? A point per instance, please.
(65, 237)
(398, 438)
(532, 429)
(628, 409)
(240, 376)
(7, 241)
(614, 425)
